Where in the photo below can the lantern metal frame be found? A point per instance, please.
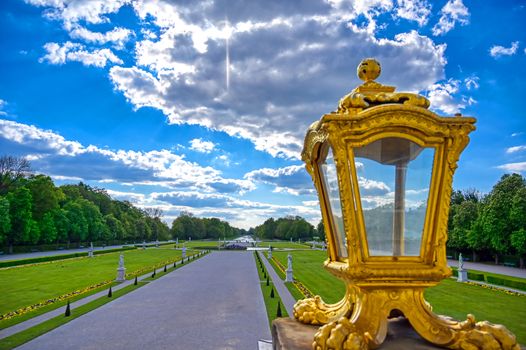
(379, 285)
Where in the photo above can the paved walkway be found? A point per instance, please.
(212, 303)
(286, 297)
(503, 270)
(19, 256)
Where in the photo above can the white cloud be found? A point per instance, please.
(441, 97)
(282, 72)
(292, 179)
(57, 54)
(498, 51)
(472, 82)
(453, 12)
(516, 149)
(71, 12)
(54, 155)
(118, 36)
(199, 145)
(414, 10)
(515, 134)
(513, 167)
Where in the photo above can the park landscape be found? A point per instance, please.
(154, 192)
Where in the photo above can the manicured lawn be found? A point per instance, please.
(308, 268)
(33, 332)
(283, 244)
(448, 298)
(28, 285)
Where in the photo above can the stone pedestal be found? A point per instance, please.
(289, 334)
(462, 276)
(288, 277)
(121, 274)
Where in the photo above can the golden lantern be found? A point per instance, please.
(383, 166)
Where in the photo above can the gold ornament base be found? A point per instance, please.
(359, 321)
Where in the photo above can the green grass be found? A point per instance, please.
(28, 285)
(44, 327)
(271, 304)
(283, 244)
(308, 268)
(24, 317)
(449, 297)
(458, 299)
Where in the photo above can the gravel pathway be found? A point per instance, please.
(212, 303)
(500, 269)
(286, 297)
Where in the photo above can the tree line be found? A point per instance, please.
(286, 228)
(186, 226)
(35, 211)
(490, 225)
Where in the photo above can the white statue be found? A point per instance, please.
(289, 260)
(121, 261)
(460, 262)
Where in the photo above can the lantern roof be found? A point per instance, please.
(372, 93)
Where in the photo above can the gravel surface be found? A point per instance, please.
(212, 303)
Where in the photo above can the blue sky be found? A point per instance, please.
(202, 106)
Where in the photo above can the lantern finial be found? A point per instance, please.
(369, 69)
(372, 93)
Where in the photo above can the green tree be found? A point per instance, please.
(46, 196)
(496, 221)
(518, 221)
(115, 227)
(48, 231)
(61, 222)
(12, 171)
(321, 230)
(5, 220)
(78, 225)
(20, 215)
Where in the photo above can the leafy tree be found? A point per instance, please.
(518, 221)
(61, 222)
(48, 230)
(5, 220)
(115, 228)
(496, 221)
(321, 230)
(466, 214)
(78, 225)
(34, 232)
(12, 171)
(20, 215)
(46, 196)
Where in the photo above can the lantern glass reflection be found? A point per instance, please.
(330, 187)
(394, 175)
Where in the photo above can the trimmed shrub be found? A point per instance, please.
(268, 281)
(506, 282)
(272, 293)
(164, 268)
(278, 313)
(110, 294)
(68, 311)
(475, 276)
(135, 282)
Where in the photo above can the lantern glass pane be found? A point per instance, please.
(394, 175)
(332, 192)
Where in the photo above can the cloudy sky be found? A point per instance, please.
(202, 105)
